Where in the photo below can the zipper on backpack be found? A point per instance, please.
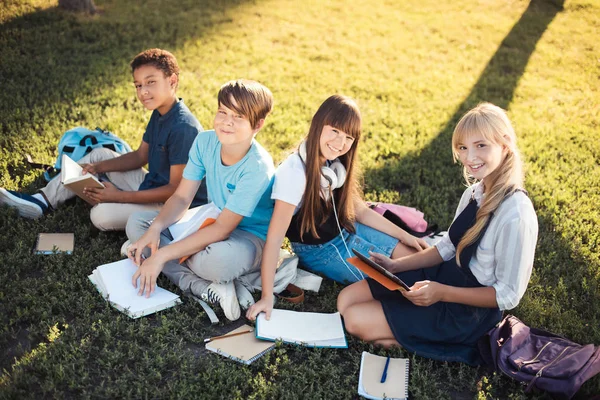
(539, 373)
(534, 359)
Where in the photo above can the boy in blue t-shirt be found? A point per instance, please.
(130, 188)
(238, 173)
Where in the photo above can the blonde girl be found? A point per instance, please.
(319, 207)
(482, 266)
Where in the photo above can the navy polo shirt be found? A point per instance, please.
(170, 138)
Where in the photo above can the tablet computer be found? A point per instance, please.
(381, 270)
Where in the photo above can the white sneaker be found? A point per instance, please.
(124, 248)
(224, 294)
(243, 295)
(28, 206)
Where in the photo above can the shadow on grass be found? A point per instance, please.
(557, 264)
(51, 58)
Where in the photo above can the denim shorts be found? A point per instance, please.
(329, 259)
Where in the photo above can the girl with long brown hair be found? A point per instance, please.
(319, 206)
(481, 266)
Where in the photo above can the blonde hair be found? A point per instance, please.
(340, 112)
(492, 123)
(254, 100)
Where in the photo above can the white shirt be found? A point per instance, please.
(504, 256)
(290, 181)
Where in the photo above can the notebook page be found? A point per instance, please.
(300, 326)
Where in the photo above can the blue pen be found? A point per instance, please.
(384, 375)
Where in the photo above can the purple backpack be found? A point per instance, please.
(541, 359)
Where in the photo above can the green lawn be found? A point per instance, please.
(414, 66)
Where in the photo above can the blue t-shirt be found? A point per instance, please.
(243, 188)
(170, 138)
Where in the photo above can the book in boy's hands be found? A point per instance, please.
(72, 177)
(304, 328)
(113, 281)
(48, 243)
(194, 219)
(377, 272)
(244, 348)
(395, 385)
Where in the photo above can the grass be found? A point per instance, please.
(415, 67)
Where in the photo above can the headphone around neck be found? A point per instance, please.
(333, 175)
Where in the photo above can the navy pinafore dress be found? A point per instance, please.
(442, 331)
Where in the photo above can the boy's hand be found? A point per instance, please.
(147, 272)
(425, 293)
(265, 304)
(109, 194)
(383, 260)
(150, 239)
(90, 169)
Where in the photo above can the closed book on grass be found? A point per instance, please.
(48, 243)
(113, 281)
(303, 328)
(244, 348)
(373, 369)
(72, 177)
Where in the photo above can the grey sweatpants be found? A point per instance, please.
(219, 262)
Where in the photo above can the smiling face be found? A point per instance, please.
(155, 90)
(480, 156)
(334, 143)
(233, 128)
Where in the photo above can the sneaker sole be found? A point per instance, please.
(26, 208)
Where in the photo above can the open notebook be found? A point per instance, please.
(371, 370)
(113, 281)
(304, 328)
(244, 348)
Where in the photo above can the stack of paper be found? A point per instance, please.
(308, 329)
(113, 281)
(395, 385)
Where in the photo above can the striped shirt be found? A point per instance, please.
(504, 256)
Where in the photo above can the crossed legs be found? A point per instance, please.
(363, 315)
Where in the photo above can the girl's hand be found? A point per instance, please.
(425, 293)
(109, 194)
(265, 304)
(148, 272)
(150, 239)
(383, 260)
(414, 242)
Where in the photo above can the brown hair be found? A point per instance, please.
(493, 124)
(342, 113)
(161, 59)
(254, 101)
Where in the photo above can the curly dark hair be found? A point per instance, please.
(161, 59)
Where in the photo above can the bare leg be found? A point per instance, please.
(367, 322)
(358, 292)
(402, 250)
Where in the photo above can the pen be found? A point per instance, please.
(384, 375)
(210, 339)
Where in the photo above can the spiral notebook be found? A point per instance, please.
(242, 348)
(371, 371)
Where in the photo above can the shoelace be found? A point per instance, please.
(212, 296)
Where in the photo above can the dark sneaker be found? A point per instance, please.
(28, 206)
(224, 294)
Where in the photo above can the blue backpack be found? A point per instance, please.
(78, 142)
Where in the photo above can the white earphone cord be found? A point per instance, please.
(343, 241)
